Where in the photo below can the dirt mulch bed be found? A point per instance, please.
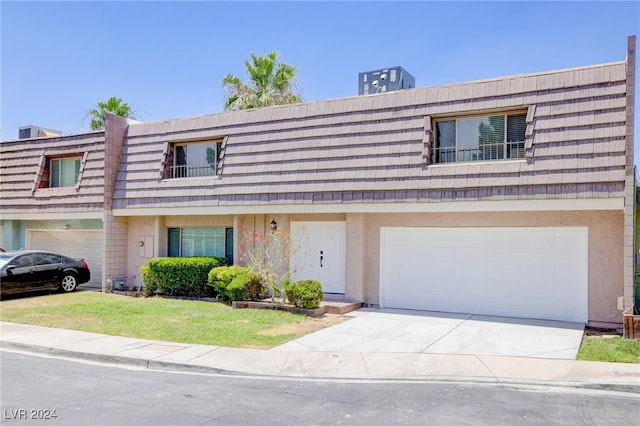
(601, 332)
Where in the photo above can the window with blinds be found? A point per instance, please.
(185, 242)
(480, 138)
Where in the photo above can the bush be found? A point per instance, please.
(184, 276)
(236, 283)
(304, 294)
(149, 284)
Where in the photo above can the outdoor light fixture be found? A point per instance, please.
(274, 225)
(141, 243)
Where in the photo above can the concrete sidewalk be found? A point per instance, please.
(369, 366)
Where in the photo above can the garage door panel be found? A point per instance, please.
(523, 272)
(84, 244)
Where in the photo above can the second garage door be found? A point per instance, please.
(518, 272)
(84, 244)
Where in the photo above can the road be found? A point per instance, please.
(81, 393)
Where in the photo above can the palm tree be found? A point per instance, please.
(114, 106)
(270, 83)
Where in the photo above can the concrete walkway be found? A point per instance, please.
(369, 366)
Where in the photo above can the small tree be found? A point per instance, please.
(268, 256)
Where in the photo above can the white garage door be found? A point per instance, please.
(516, 272)
(77, 244)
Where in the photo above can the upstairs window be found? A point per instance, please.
(480, 138)
(195, 159)
(64, 172)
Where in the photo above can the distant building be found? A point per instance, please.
(31, 131)
(385, 80)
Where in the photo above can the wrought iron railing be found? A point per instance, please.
(483, 152)
(192, 170)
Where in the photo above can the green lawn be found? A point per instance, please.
(612, 349)
(159, 319)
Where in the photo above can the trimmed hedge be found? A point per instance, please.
(150, 285)
(236, 283)
(304, 294)
(181, 276)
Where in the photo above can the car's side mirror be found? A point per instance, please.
(10, 267)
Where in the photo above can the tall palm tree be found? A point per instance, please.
(114, 106)
(270, 83)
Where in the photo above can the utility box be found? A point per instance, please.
(385, 80)
(31, 131)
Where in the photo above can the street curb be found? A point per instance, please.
(153, 365)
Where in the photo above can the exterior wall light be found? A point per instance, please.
(274, 224)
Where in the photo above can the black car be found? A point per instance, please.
(33, 270)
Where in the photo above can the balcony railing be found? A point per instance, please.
(192, 170)
(484, 152)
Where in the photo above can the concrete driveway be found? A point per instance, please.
(396, 330)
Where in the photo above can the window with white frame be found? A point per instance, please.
(480, 138)
(201, 241)
(195, 159)
(64, 172)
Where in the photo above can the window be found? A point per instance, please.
(64, 171)
(478, 138)
(185, 242)
(47, 259)
(25, 261)
(195, 159)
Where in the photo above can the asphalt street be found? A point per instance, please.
(93, 394)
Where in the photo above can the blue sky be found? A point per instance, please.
(167, 59)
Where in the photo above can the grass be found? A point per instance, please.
(156, 318)
(610, 348)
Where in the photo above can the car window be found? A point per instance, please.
(24, 261)
(4, 259)
(47, 259)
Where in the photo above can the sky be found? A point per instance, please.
(167, 59)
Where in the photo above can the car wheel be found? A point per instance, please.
(69, 283)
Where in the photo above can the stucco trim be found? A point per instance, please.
(458, 206)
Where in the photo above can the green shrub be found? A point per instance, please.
(236, 283)
(304, 294)
(184, 276)
(149, 284)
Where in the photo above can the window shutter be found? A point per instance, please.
(228, 245)
(174, 242)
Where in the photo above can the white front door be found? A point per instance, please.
(320, 254)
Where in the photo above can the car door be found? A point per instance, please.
(19, 274)
(48, 267)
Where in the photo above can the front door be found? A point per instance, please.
(319, 254)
